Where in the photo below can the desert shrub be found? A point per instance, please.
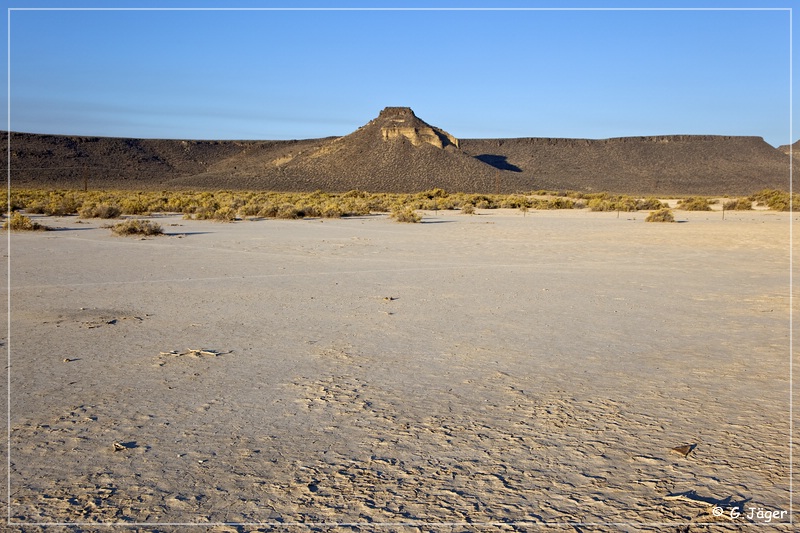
(329, 206)
(786, 206)
(514, 201)
(31, 200)
(468, 209)
(355, 194)
(649, 204)
(268, 210)
(99, 211)
(158, 203)
(434, 193)
(331, 210)
(36, 207)
(776, 200)
(662, 215)
(19, 222)
(592, 195)
(405, 214)
(738, 204)
(431, 204)
(232, 201)
(250, 209)
(225, 214)
(452, 201)
(134, 206)
(437, 204)
(179, 203)
(137, 226)
(289, 211)
(108, 211)
(353, 206)
(377, 203)
(559, 203)
(542, 192)
(308, 208)
(601, 203)
(626, 203)
(694, 204)
(605, 202)
(200, 213)
(481, 201)
(61, 204)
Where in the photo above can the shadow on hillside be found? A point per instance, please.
(499, 162)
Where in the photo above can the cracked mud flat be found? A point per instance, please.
(471, 373)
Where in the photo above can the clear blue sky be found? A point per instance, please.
(219, 74)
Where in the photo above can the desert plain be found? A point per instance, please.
(492, 372)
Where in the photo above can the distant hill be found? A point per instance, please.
(399, 152)
(673, 164)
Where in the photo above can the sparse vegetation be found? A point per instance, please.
(738, 204)
(649, 204)
(776, 200)
(236, 205)
(405, 214)
(223, 214)
(468, 209)
(61, 204)
(606, 202)
(137, 226)
(694, 204)
(661, 215)
(91, 210)
(19, 222)
(556, 203)
(289, 211)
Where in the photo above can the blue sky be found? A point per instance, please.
(247, 74)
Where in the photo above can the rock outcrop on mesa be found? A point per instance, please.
(399, 152)
(397, 122)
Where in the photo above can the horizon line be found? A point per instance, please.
(252, 139)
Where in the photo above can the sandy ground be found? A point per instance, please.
(470, 373)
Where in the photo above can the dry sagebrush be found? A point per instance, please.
(137, 226)
(19, 222)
